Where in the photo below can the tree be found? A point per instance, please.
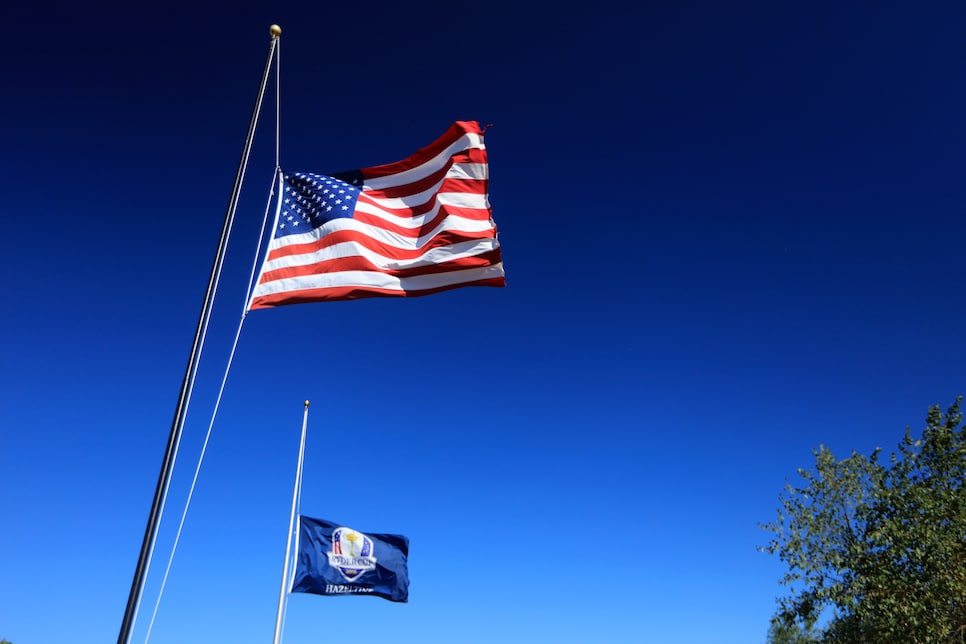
(788, 633)
(879, 550)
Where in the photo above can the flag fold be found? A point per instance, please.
(336, 560)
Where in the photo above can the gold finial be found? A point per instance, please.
(306, 403)
(275, 30)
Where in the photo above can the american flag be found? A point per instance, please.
(418, 226)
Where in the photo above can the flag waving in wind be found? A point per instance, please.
(418, 226)
(335, 560)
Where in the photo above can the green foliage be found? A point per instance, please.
(790, 633)
(880, 548)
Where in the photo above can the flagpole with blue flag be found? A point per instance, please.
(177, 424)
(373, 564)
(296, 494)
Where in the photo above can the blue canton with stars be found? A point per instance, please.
(310, 200)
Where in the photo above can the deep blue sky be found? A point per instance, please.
(732, 232)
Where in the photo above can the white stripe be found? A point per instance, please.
(379, 280)
(450, 223)
(353, 249)
(477, 171)
(467, 141)
(376, 208)
(413, 199)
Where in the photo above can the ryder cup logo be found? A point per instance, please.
(351, 553)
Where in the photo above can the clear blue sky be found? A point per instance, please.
(732, 232)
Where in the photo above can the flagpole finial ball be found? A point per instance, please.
(306, 403)
(275, 30)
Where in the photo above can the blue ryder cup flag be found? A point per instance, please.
(337, 560)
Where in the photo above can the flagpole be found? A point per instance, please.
(291, 523)
(177, 424)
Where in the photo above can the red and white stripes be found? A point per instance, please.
(420, 226)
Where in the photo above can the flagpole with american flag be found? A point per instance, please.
(177, 424)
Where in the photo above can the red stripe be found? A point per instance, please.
(450, 184)
(420, 209)
(455, 131)
(427, 226)
(357, 263)
(473, 155)
(468, 186)
(357, 293)
(445, 238)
